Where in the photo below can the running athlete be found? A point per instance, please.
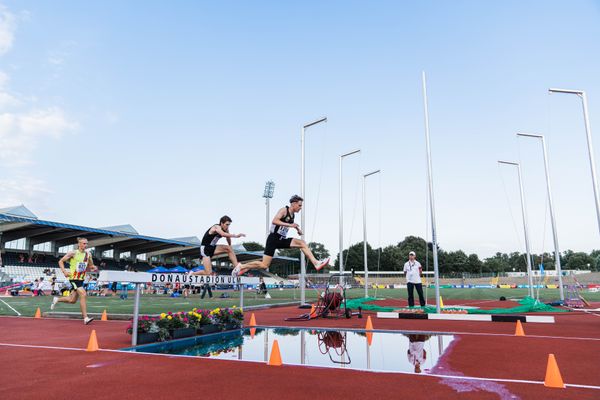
(277, 239)
(80, 260)
(209, 246)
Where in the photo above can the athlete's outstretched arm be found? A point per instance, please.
(228, 235)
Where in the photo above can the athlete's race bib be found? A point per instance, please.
(81, 266)
(283, 230)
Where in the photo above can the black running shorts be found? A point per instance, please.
(275, 241)
(207, 251)
(77, 283)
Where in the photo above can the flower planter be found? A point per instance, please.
(147, 337)
(230, 326)
(209, 328)
(182, 333)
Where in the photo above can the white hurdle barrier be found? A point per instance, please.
(138, 278)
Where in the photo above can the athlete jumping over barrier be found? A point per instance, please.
(209, 246)
(277, 239)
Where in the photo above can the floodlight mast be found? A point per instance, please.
(268, 195)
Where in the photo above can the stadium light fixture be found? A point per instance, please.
(268, 195)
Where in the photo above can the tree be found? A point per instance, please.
(579, 260)
(354, 257)
(474, 264)
(498, 263)
(455, 261)
(391, 259)
(253, 246)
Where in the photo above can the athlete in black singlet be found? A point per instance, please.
(277, 239)
(209, 246)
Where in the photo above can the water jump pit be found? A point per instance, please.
(350, 349)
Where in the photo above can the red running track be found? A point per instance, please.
(34, 372)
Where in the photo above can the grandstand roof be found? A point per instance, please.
(18, 211)
(122, 237)
(18, 222)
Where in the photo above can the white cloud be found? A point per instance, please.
(23, 189)
(25, 126)
(8, 27)
(21, 133)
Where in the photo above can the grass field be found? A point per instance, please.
(153, 304)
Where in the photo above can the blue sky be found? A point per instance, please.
(169, 115)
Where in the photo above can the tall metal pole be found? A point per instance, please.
(526, 231)
(268, 220)
(552, 219)
(364, 196)
(136, 315)
(303, 214)
(431, 202)
(588, 132)
(341, 215)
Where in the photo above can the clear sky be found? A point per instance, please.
(167, 115)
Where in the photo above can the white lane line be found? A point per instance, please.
(472, 378)
(9, 306)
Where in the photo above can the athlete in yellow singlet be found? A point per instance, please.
(80, 260)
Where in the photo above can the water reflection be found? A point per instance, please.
(334, 343)
(416, 350)
(342, 349)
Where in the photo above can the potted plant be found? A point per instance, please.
(147, 332)
(203, 321)
(228, 318)
(176, 324)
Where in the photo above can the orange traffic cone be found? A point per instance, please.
(313, 312)
(519, 331)
(275, 358)
(553, 377)
(369, 326)
(93, 342)
(252, 321)
(38, 313)
(104, 316)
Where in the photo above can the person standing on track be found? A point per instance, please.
(413, 271)
(277, 239)
(209, 246)
(80, 261)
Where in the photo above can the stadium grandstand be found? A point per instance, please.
(30, 249)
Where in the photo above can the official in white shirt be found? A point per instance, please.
(413, 271)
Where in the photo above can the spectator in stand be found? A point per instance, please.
(54, 286)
